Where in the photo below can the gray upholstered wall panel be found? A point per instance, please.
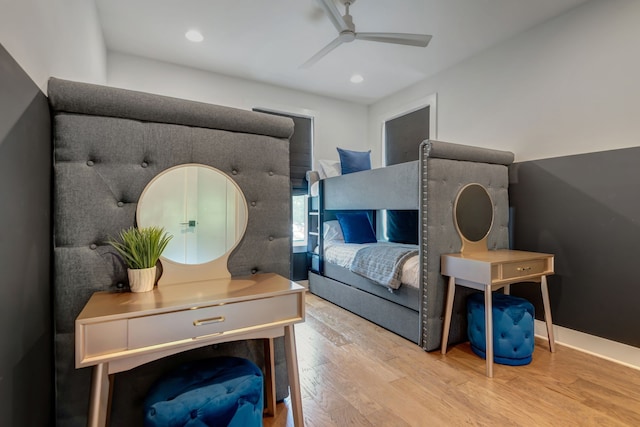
(101, 166)
(442, 177)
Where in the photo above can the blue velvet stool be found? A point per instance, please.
(221, 391)
(513, 333)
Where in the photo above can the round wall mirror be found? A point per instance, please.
(202, 208)
(473, 214)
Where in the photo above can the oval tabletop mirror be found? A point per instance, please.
(473, 217)
(206, 213)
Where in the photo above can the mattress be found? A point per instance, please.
(343, 254)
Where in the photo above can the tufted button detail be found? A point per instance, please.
(93, 246)
(254, 270)
(193, 414)
(270, 238)
(144, 164)
(234, 172)
(253, 203)
(120, 285)
(89, 162)
(270, 173)
(120, 204)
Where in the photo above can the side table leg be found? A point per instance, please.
(547, 313)
(100, 399)
(488, 328)
(294, 379)
(451, 291)
(270, 384)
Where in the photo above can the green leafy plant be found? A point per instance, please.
(141, 247)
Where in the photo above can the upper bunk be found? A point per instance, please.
(397, 186)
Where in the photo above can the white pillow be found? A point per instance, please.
(332, 231)
(329, 168)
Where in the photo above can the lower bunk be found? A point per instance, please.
(397, 311)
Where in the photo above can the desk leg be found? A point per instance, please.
(269, 380)
(488, 328)
(451, 291)
(292, 370)
(99, 403)
(547, 313)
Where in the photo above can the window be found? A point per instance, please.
(299, 220)
(300, 149)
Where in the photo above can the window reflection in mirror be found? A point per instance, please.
(200, 206)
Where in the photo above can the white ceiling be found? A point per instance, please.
(267, 41)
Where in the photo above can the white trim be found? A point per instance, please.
(610, 350)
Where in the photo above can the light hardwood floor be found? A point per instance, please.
(354, 373)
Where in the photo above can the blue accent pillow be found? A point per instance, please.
(354, 161)
(356, 227)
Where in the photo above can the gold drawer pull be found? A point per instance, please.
(203, 322)
(523, 268)
(201, 337)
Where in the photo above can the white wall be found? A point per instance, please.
(59, 38)
(568, 86)
(337, 123)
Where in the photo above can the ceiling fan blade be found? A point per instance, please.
(328, 48)
(421, 40)
(334, 15)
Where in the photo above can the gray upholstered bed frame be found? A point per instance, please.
(430, 186)
(108, 144)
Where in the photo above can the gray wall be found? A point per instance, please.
(25, 316)
(585, 209)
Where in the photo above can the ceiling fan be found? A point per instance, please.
(347, 32)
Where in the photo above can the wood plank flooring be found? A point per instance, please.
(354, 373)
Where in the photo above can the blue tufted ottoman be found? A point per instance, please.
(221, 391)
(513, 333)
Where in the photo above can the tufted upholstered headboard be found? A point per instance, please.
(108, 144)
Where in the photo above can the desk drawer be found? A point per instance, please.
(523, 268)
(201, 322)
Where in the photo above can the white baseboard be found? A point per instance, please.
(611, 350)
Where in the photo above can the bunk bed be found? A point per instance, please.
(428, 186)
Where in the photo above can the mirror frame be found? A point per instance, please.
(469, 246)
(174, 272)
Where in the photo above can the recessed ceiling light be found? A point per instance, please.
(194, 36)
(357, 78)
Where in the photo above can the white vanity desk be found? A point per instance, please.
(116, 332)
(485, 270)
(196, 302)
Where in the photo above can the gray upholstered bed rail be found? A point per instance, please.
(391, 187)
(74, 97)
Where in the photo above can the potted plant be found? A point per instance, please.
(140, 249)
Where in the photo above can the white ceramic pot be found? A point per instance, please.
(142, 280)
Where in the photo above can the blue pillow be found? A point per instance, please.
(354, 161)
(356, 227)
